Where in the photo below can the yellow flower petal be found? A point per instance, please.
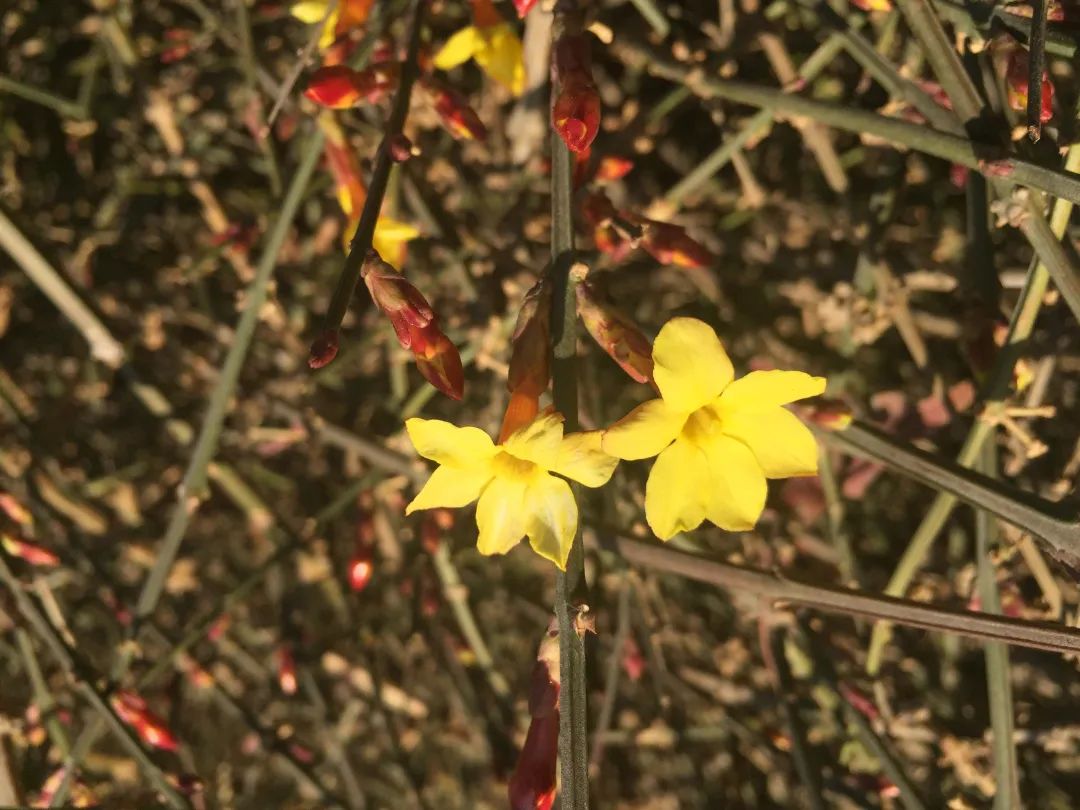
(501, 515)
(581, 459)
(691, 366)
(552, 518)
(461, 447)
(782, 445)
(736, 489)
(390, 238)
(760, 390)
(675, 491)
(309, 12)
(450, 487)
(537, 441)
(644, 432)
(459, 48)
(500, 57)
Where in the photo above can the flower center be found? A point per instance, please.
(508, 466)
(702, 425)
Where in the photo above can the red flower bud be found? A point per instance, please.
(523, 7)
(15, 510)
(401, 148)
(323, 349)
(530, 358)
(670, 244)
(454, 112)
(30, 552)
(286, 669)
(415, 325)
(532, 785)
(1016, 82)
(616, 333)
(575, 111)
(361, 569)
(613, 167)
(830, 414)
(150, 728)
(339, 86)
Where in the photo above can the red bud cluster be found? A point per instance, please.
(575, 110)
(132, 709)
(340, 87)
(616, 333)
(415, 324)
(532, 785)
(665, 242)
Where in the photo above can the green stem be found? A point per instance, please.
(1042, 518)
(380, 178)
(570, 585)
(781, 587)
(194, 479)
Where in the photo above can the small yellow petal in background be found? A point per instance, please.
(450, 487)
(501, 515)
(735, 489)
(691, 366)
(500, 57)
(309, 12)
(444, 443)
(390, 238)
(459, 48)
(644, 432)
(782, 444)
(538, 441)
(765, 389)
(552, 518)
(581, 459)
(675, 491)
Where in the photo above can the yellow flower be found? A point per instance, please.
(718, 438)
(311, 12)
(518, 495)
(492, 43)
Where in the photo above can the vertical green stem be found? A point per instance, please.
(569, 584)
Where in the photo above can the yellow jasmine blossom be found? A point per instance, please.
(345, 15)
(518, 495)
(492, 43)
(390, 239)
(718, 438)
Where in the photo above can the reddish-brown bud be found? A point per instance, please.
(1016, 83)
(408, 310)
(459, 119)
(15, 510)
(361, 569)
(150, 728)
(530, 358)
(615, 333)
(830, 414)
(438, 360)
(323, 349)
(286, 669)
(575, 111)
(532, 785)
(401, 148)
(613, 167)
(30, 552)
(340, 87)
(670, 244)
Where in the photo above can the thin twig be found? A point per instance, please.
(380, 177)
(778, 587)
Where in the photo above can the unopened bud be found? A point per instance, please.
(406, 307)
(27, 551)
(459, 119)
(401, 148)
(286, 669)
(530, 358)
(361, 570)
(15, 510)
(613, 167)
(615, 333)
(523, 7)
(575, 111)
(340, 87)
(150, 728)
(1016, 83)
(829, 414)
(323, 349)
(670, 244)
